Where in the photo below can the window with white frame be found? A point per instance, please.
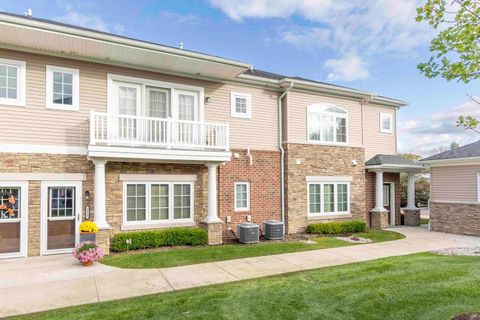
(151, 202)
(242, 196)
(327, 124)
(241, 105)
(386, 122)
(12, 82)
(62, 88)
(328, 198)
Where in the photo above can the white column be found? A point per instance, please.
(411, 191)
(99, 206)
(212, 193)
(379, 191)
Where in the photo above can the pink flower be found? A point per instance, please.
(88, 251)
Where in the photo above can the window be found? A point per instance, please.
(61, 202)
(328, 198)
(147, 202)
(241, 105)
(12, 82)
(327, 124)
(9, 204)
(386, 122)
(62, 88)
(242, 196)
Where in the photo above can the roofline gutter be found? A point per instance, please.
(282, 153)
(106, 37)
(453, 161)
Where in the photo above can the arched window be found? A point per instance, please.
(327, 123)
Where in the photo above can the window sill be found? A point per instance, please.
(241, 116)
(12, 103)
(58, 107)
(324, 143)
(164, 225)
(330, 217)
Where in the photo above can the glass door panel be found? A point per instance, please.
(127, 106)
(187, 132)
(158, 106)
(61, 218)
(10, 220)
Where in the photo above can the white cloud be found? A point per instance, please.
(348, 68)
(89, 21)
(369, 28)
(428, 134)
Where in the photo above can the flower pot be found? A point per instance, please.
(87, 264)
(87, 236)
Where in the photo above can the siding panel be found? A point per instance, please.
(454, 183)
(375, 141)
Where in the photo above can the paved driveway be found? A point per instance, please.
(50, 282)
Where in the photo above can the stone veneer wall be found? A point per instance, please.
(321, 160)
(264, 178)
(458, 218)
(370, 192)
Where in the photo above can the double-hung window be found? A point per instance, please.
(62, 88)
(328, 197)
(158, 202)
(327, 124)
(241, 105)
(386, 122)
(12, 82)
(242, 196)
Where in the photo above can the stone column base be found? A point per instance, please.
(412, 217)
(103, 240)
(379, 219)
(214, 231)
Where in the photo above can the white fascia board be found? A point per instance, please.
(329, 179)
(43, 176)
(158, 177)
(452, 162)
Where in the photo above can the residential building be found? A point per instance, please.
(140, 136)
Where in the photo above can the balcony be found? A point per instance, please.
(138, 137)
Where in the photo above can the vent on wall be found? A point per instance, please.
(247, 232)
(273, 230)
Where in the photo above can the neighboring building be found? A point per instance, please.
(455, 190)
(139, 136)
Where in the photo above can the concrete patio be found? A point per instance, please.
(50, 282)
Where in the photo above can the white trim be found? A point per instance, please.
(455, 201)
(21, 83)
(316, 109)
(148, 223)
(452, 162)
(75, 88)
(165, 225)
(329, 217)
(43, 176)
(329, 179)
(240, 209)
(233, 107)
(390, 117)
(48, 149)
(23, 185)
(158, 177)
(335, 199)
(44, 198)
(392, 213)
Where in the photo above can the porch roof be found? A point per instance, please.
(392, 163)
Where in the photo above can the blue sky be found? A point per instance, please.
(372, 45)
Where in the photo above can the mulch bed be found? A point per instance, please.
(467, 316)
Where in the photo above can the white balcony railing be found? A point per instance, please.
(136, 131)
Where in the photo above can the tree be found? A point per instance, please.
(456, 48)
(422, 184)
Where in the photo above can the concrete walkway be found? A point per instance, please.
(42, 283)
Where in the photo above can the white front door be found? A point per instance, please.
(13, 219)
(61, 215)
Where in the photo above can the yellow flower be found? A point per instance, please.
(88, 226)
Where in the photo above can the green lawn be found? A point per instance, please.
(179, 257)
(421, 286)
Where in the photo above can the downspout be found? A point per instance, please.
(282, 152)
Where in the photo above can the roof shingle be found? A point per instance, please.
(467, 151)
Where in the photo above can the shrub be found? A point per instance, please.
(159, 238)
(341, 227)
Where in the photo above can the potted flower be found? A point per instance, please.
(88, 252)
(87, 231)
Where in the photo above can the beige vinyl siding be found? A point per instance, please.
(454, 183)
(34, 124)
(297, 116)
(376, 142)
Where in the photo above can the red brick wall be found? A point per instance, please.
(370, 192)
(264, 178)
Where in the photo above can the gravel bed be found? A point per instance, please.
(461, 251)
(353, 239)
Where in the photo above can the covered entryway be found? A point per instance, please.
(384, 214)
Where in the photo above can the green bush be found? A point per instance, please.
(341, 227)
(159, 238)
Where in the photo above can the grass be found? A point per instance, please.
(179, 257)
(421, 286)
(424, 221)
